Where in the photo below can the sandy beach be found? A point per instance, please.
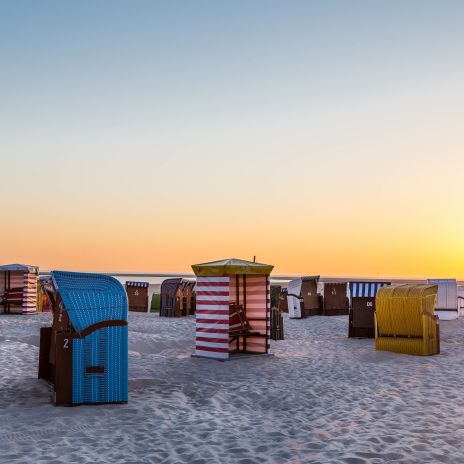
(321, 398)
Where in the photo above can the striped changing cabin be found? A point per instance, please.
(18, 288)
(233, 308)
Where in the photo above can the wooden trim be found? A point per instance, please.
(94, 369)
(417, 337)
(63, 368)
(99, 325)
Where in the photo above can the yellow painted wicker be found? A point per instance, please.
(405, 320)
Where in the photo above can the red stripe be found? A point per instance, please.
(219, 331)
(213, 340)
(215, 350)
(212, 321)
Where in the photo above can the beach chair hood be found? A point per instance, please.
(366, 289)
(103, 300)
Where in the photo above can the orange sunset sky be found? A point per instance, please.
(322, 138)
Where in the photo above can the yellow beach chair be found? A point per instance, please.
(405, 320)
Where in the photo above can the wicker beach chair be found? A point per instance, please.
(405, 320)
(361, 315)
(85, 352)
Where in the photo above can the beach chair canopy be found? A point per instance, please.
(447, 298)
(294, 286)
(131, 283)
(298, 297)
(366, 289)
(231, 266)
(90, 298)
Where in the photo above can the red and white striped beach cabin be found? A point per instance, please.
(18, 288)
(233, 308)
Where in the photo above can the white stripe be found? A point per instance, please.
(201, 288)
(211, 354)
(217, 307)
(212, 279)
(213, 335)
(200, 343)
(214, 317)
(213, 298)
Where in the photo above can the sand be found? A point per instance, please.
(321, 398)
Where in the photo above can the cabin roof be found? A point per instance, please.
(231, 266)
(20, 267)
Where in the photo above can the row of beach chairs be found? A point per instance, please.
(177, 298)
(84, 354)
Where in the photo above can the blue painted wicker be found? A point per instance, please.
(90, 299)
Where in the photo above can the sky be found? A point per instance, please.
(324, 137)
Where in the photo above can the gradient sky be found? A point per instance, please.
(321, 136)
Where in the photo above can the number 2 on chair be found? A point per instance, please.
(65, 344)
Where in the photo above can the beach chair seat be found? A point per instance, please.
(14, 296)
(405, 320)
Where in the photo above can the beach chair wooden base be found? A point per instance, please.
(233, 356)
(335, 312)
(361, 318)
(277, 325)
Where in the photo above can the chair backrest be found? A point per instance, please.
(309, 293)
(400, 309)
(238, 321)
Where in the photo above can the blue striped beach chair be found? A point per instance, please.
(85, 352)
